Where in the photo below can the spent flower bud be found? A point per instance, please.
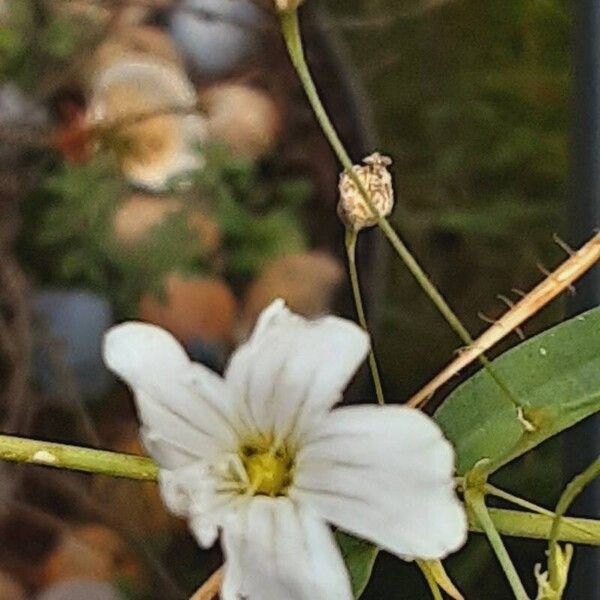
(377, 181)
(546, 590)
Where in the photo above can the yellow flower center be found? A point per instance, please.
(269, 469)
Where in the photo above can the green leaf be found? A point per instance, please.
(555, 374)
(359, 557)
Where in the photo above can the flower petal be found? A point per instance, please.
(293, 369)
(184, 407)
(276, 550)
(386, 475)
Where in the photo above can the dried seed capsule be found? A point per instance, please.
(377, 180)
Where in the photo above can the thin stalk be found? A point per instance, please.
(476, 502)
(517, 501)
(88, 460)
(351, 237)
(494, 491)
(291, 33)
(521, 524)
(430, 579)
(571, 492)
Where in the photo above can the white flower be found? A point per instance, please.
(260, 455)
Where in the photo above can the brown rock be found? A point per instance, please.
(197, 308)
(307, 282)
(247, 119)
(87, 552)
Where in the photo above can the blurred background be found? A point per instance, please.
(159, 161)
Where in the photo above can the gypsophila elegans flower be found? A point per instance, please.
(377, 181)
(260, 455)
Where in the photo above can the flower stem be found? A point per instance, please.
(494, 491)
(293, 39)
(568, 496)
(351, 237)
(476, 503)
(430, 579)
(60, 456)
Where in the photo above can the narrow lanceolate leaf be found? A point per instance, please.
(555, 374)
(359, 557)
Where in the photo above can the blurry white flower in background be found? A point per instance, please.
(159, 147)
(134, 42)
(218, 35)
(261, 455)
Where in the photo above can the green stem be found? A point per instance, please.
(293, 39)
(431, 582)
(291, 33)
(571, 492)
(476, 503)
(494, 491)
(351, 237)
(60, 456)
(521, 524)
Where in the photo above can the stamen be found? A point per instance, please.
(268, 467)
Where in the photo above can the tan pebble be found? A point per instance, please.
(140, 213)
(247, 119)
(307, 282)
(196, 308)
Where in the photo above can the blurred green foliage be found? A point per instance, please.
(36, 43)
(68, 236)
(259, 217)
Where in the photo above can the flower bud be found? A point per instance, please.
(287, 5)
(546, 590)
(377, 181)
